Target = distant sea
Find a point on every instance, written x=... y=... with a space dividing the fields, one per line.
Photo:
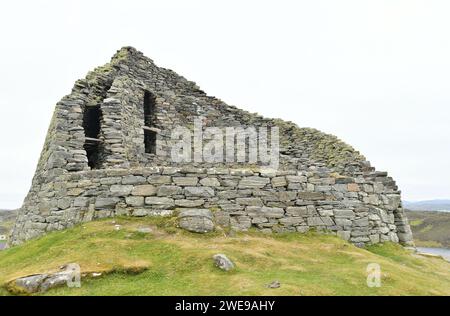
x=432 y=205
x=445 y=253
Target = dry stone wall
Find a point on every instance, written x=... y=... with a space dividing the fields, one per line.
x=362 y=210
x=322 y=182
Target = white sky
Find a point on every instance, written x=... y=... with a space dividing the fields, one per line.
x=375 y=73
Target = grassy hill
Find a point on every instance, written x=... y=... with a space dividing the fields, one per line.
x=430 y=229
x=168 y=261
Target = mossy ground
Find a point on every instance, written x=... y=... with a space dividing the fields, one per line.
x=180 y=263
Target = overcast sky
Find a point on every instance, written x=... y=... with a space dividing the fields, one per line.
x=375 y=73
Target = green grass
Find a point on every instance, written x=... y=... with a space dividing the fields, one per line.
x=416 y=222
x=180 y=263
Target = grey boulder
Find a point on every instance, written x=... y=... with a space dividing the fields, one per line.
x=44 y=282
x=222 y=262
x=196 y=220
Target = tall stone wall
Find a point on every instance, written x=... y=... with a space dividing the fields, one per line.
x=362 y=210
x=322 y=182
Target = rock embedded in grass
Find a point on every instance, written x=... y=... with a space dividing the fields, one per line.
x=274 y=285
x=145 y=230
x=222 y=262
x=30 y=284
x=44 y=282
x=196 y=220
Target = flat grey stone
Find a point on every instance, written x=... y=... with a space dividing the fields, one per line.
x=31 y=284
x=199 y=191
x=144 y=190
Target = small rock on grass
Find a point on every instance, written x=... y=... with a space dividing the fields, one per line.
x=274 y=285
x=222 y=262
x=145 y=230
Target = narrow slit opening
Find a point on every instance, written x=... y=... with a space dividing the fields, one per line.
x=150 y=142
x=149 y=121
x=93 y=145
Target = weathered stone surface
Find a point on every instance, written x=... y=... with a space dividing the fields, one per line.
x=80 y=202
x=374 y=239
x=121 y=190
x=222 y=262
x=279 y=182
x=297 y=211
x=320 y=221
x=249 y=201
x=231 y=207
x=269 y=212
x=296 y=179
x=134 y=180
x=135 y=201
x=241 y=172
x=344 y=213
x=199 y=191
x=144 y=190
x=185 y=181
x=159 y=180
x=286 y=196
x=343 y=222
x=372 y=199
x=353 y=187
x=196 y=220
x=344 y=234
x=313 y=196
x=169 y=190
x=189 y=203
x=30 y=284
x=362 y=222
x=210 y=182
x=274 y=285
x=291 y=221
x=253 y=182
x=160 y=202
x=44 y=282
x=240 y=223
x=392 y=202
x=106 y=202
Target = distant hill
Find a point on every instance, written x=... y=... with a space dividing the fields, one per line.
x=430 y=229
x=7 y=218
x=432 y=205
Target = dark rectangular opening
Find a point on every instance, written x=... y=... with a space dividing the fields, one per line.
x=149 y=121
x=149 y=109
x=91 y=123
x=150 y=142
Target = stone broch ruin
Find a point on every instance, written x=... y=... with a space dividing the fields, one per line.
x=106 y=151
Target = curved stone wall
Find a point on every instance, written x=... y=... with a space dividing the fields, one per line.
x=322 y=183
x=363 y=210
